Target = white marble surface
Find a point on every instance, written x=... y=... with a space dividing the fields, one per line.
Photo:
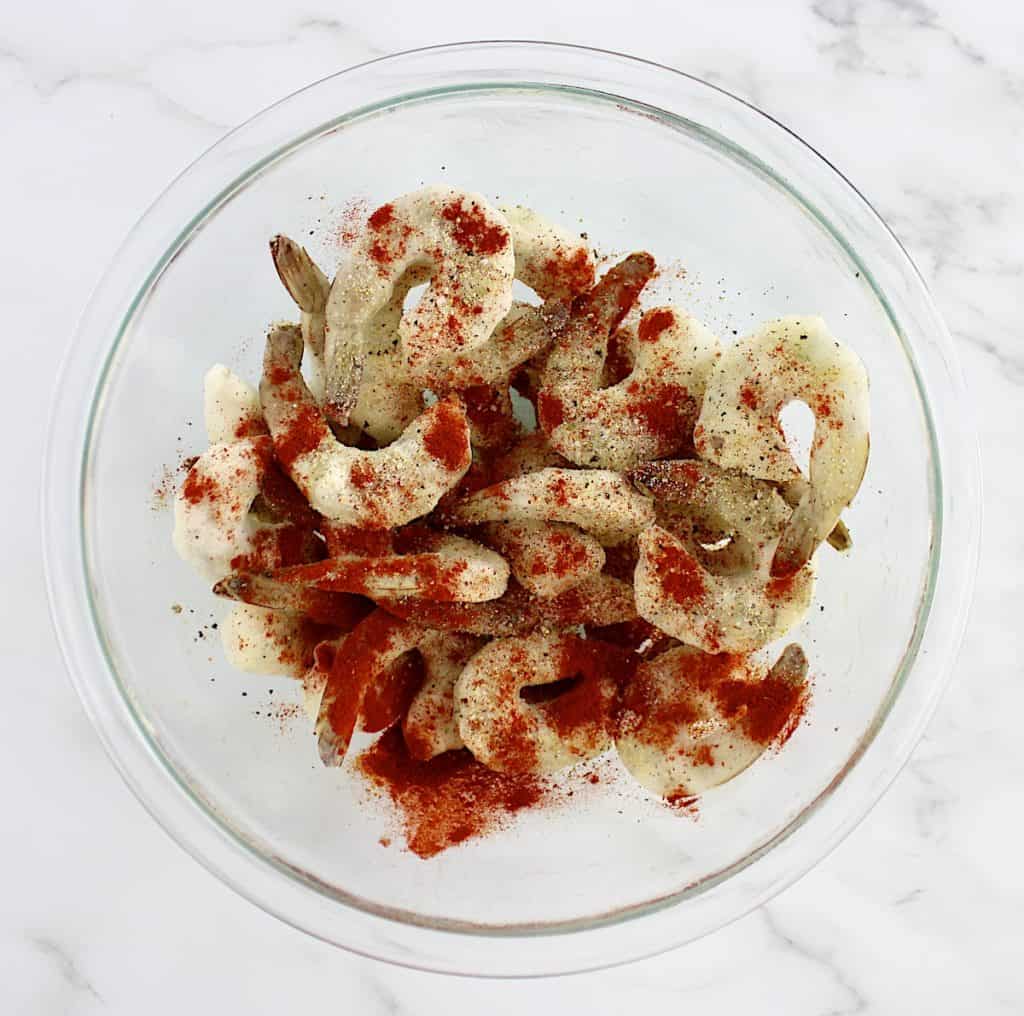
x=922 y=104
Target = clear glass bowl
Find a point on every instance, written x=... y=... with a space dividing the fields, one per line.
x=639 y=156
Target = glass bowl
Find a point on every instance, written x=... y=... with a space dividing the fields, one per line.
x=637 y=156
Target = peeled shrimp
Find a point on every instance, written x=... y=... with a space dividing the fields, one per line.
x=598 y=501
x=375 y=489
x=308 y=287
x=467 y=244
x=231 y=407
x=599 y=600
x=733 y=613
x=554 y=263
x=648 y=414
x=689 y=722
x=214 y=529
x=793 y=358
x=510 y=735
x=546 y=558
x=452 y=568
x=708 y=506
x=430 y=727
x=261 y=641
x=388 y=400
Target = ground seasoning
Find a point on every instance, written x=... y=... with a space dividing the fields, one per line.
x=449 y=799
x=446 y=438
x=472 y=230
x=679 y=574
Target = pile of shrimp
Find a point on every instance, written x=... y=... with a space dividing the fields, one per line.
x=393 y=534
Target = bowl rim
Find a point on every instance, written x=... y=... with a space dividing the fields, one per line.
x=378 y=932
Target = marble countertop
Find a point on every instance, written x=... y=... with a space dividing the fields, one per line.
x=920 y=103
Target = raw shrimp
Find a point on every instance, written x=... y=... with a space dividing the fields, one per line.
x=648 y=414
x=523 y=333
x=467 y=244
x=689 y=721
x=547 y=558
x=430 y=727
x=266 y=591
x=509 y=734
x=388 y=400
x=308 y=287
x=375 y=489
x=372 y=646
x=261 y=641
x=793 y=358
x=550 y=260
x=600 y=600
x=733 y=613
x=707 y=506
x=449 y=568
x=598 y=501
x=231 y=407
x=214 y=528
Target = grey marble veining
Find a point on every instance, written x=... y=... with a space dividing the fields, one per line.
x=920 y=104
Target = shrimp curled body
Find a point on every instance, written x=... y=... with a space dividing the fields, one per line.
x=689 y=722
x=378 y=489
x=508 y=734
x=467 y=245
x=793 y=358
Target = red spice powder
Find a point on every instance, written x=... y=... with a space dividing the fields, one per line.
x=198 y=487
x=570 y=274
x=449 y=799
x=665 y=411
x=250 y=426
x=590 y=702
x=653 y=323
x=559 y=490
x=781 y=587
x=382 y=217
x=767 y=710
x=381 y=253
x=387 y=699
x=303 y=435
x=343 y=540
x=354 y=670
x=471 y=229
x=446 y=438
x=550 y=412
x=703 y=756
x=487 y=412
x=679 y=575
x=569 y=553
x=362 y=475
x=748 y=396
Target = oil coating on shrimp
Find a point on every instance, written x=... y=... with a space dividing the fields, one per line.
x=468 y=247
x=376 y=489
x=793 y=358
